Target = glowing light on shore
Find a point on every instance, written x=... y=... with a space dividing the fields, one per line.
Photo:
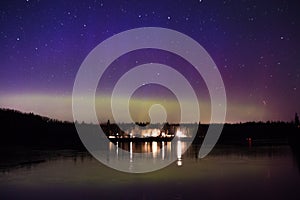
x=145 y=133
x=180 y=134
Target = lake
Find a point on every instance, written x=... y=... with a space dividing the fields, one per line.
x=228 y=172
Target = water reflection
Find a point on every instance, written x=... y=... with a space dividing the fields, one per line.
x=155 y=150
x=163 y=151
x=267 y=170
x=179 y=153
x=117 y=148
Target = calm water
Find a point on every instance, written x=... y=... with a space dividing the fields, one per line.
x=229 y=172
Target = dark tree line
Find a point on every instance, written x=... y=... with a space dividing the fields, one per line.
x=36 y=131
x=32 y=130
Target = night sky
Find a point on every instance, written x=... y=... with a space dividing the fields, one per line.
x=255 y=45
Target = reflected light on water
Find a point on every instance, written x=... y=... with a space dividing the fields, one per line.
x=111 y=146
x=179 y=153
x=154 y=149
x=169 y=146
x=146 y=146
x=163 y=151
x=130 y=150
x=117 y=148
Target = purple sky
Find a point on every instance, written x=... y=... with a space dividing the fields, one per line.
x=255 y=45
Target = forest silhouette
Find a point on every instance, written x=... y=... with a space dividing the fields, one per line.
x=31 y=130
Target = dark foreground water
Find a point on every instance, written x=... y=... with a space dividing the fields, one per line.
x=229 y=172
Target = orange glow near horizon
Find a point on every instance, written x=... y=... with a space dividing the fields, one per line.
x=60 y=107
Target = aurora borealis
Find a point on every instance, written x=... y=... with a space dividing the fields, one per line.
x=255 y=45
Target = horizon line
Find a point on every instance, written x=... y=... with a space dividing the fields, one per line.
x=102 y=123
